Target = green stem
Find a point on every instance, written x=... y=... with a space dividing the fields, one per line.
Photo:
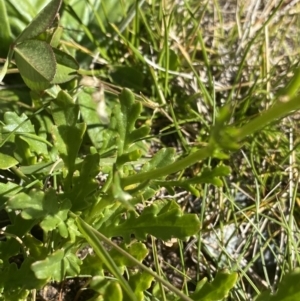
x=92 y=236
x=19 y=173
x=89 y=72
x=279 y=110
x=172 y=168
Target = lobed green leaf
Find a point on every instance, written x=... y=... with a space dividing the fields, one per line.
x=67 y=140
x=163 y=219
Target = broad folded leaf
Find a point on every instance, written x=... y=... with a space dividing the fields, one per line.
x=41 y=22
x=66 y=67
x=36 y=62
